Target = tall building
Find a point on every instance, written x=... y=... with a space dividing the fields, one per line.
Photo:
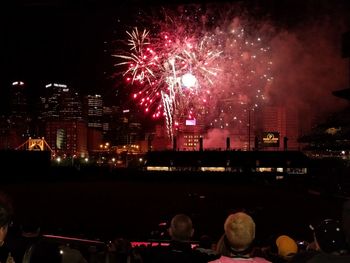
x=5 y=139
x=110 y=120
x=50 y=101
x=188 y=136
x=93 y=110
x=67 y=138
x=121 y=126
x=70 y=106
x=60 y=103
x=20 y=116
x=62 y=120
x=283 y=120
x=93 y=113
x=19 y=101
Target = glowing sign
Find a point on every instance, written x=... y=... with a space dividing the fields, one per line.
x=191 y=122
x=271 y=139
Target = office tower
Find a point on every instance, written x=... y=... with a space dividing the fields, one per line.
x=61 y=114
x=93 y=110
x=20 y=116
x=67 y=138
x=93 y=113
x=60 y=103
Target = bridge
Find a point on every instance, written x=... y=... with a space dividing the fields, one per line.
x=35 y=145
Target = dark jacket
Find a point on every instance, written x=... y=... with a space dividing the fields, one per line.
x=4 y=253
x=177 y=252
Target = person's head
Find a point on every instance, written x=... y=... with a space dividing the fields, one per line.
x=181 y=228
x=329 y=236
x=286 y=246
x=239 y=231
x=5 y=216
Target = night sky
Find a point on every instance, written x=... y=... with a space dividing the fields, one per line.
x=68 y=41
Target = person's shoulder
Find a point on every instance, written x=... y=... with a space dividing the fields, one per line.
x=260 y=260
x=219 y=260
x=207 y=255
x=224 y=259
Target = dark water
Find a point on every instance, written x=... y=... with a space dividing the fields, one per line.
x=95 y=205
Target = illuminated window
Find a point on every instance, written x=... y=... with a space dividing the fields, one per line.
x=264 y=169
x=213 y=169
x=297 y=170
x=157 y=168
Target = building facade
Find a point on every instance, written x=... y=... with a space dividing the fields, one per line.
x=67 y=138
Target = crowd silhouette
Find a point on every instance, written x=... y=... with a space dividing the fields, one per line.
x=330 y=243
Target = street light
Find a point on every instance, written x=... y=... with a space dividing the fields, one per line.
x=249 y=129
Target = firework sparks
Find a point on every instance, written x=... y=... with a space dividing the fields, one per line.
x=182 y=72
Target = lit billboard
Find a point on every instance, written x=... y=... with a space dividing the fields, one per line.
x=271 y=139
x=191 y=122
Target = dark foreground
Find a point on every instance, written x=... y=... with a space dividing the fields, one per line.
x=132 y=205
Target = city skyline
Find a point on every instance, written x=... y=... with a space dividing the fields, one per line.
x=50 y=41
x=67 y=120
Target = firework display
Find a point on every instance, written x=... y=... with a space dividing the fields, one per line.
x=188 y=63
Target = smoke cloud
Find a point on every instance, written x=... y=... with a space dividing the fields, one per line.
x=307 y=67
x=215 y=138
x=305 y=40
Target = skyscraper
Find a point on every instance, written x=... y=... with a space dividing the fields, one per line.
x=93 y=113
x=64 y=127
x=19 y=118
x=60 y=103
x=93 y=110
